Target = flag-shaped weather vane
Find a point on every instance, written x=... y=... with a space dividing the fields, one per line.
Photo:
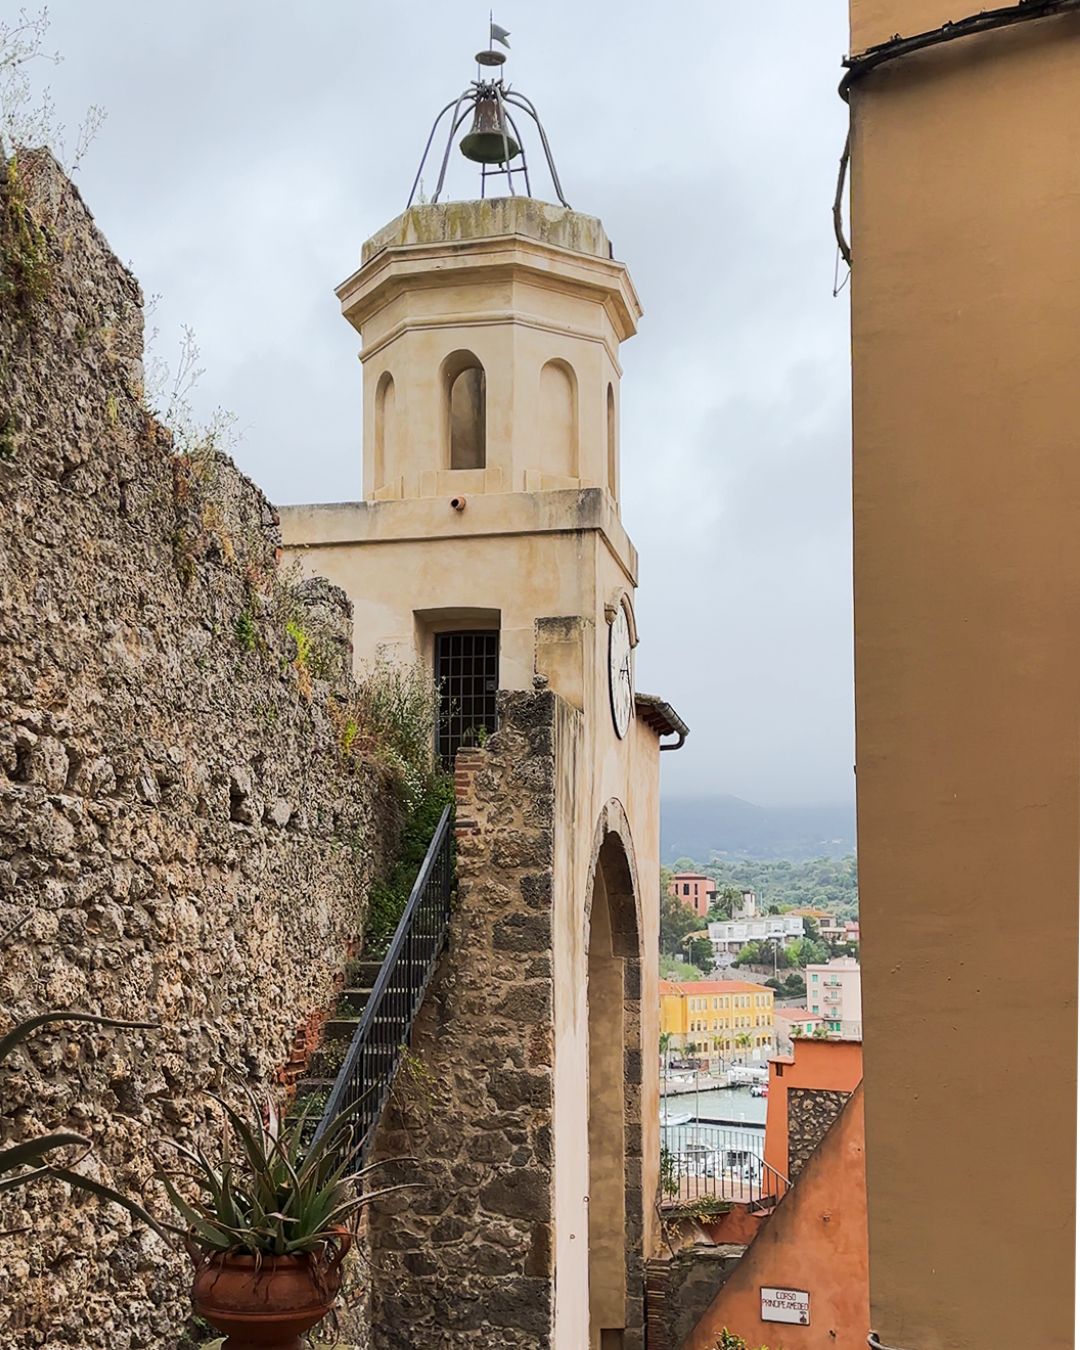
x=499 y=34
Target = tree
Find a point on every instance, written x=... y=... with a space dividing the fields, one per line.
x=677 y=922
x=699 y=952
x=743 y=1043
x=750 y=955
x=724 y=904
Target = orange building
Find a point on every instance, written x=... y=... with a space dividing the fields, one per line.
x=810 y=1253
x=696 y=891
x=807 y=1090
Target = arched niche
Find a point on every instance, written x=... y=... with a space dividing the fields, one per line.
x=385 y=427
x=612 y=444
x=559 y=419
x=465 y=411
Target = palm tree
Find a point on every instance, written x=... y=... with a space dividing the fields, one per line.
x=743 y=1042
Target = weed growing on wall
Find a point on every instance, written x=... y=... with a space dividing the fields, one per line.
x=26 y=268
x=389 y=896
x=392 y=718
x=27 y=121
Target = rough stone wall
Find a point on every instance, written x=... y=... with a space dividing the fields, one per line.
x=811 y=1112
x=181 y=831
x=681 y=1286
x=467 y=1261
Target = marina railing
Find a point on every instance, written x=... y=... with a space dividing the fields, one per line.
x=699 y=1173
x=367 y=1074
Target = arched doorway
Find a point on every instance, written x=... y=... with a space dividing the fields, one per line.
x=615 y=1182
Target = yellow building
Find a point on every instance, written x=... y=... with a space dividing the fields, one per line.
x=731 y=1018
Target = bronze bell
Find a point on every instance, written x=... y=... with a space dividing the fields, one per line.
x=489 y=141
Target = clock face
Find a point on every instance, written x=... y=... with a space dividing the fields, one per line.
x=620 y=674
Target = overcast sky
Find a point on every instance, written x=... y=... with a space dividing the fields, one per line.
x=250 y=148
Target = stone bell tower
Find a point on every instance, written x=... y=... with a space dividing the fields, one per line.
x=489 y=546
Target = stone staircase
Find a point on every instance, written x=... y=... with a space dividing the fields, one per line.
x=313 y=1088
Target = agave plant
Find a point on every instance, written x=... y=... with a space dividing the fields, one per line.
x=30 y=1159
x=268 y=1192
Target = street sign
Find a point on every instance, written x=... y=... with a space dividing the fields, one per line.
x=785 y=1305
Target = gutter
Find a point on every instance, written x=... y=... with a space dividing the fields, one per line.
x=662 y=718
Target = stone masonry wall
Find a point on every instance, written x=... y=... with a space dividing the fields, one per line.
x=467 y=1261
x=183 y=836
x=811 y=1112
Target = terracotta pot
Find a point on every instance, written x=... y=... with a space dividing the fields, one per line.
x=269 y=1304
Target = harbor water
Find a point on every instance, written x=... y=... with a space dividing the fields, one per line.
x=725 y=1118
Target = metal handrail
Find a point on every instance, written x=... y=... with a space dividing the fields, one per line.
x=719 y=1172
x=365 y=1078
x=874 y=1344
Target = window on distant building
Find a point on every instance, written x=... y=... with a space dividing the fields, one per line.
x=686 y=891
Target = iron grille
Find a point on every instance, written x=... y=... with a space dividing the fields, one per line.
x=467 y=675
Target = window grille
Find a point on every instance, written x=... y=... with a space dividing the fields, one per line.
x=467 y=676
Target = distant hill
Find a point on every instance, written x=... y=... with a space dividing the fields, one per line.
x=703 y=828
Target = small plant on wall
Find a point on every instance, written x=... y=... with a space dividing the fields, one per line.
x=729 y=1341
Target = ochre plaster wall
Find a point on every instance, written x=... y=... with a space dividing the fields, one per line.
x=874 y=21
x=966 y=337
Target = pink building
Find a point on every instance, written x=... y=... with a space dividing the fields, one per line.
x=696 y=891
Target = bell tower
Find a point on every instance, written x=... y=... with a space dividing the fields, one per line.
x=491 y=334
x=489 y=546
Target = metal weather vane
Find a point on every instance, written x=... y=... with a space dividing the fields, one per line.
x=493 y=141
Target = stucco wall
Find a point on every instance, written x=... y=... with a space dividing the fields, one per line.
x=179 y=827
x=815 y=1241
x=966 y=299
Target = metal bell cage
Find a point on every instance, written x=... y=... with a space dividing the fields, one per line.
x=494 y=140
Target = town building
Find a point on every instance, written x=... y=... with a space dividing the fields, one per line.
x=696 y=891
x=731 y=935
x=834 y=991
x=831 y=930
x=729 y=1018
x=489 y=548
x=851 y=931
x=791 y=1023
x=965 y=306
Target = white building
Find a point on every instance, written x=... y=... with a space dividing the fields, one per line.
x=835 y=992
x=731 y=935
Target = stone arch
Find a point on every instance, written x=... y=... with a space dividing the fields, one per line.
x=464 y=384
x=559 y=419
x=385 y=427
x=613 y=948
